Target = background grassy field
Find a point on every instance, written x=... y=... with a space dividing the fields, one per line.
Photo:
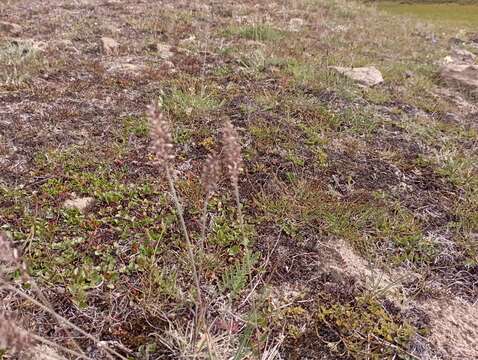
x=444 y=13
x=358 y=238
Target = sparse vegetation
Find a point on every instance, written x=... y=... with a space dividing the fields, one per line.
x=264 y=207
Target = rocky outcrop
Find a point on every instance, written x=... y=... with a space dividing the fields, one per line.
x=80 y=204
x=462 y=56
x=463 y=75
x=366 y=76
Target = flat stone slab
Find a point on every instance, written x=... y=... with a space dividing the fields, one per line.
x=465 y=75
x=80 y=204
x=367 y=76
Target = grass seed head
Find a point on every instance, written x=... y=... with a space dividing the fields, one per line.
x=162 y=142
x=232 y=152
x=211 y=173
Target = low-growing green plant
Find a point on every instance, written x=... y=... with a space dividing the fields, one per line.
x=236 y=277
x=184 y=103
x=258 y=32
x=364 y=321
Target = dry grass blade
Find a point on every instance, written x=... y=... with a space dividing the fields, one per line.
x=13 y=337
x=210 y=178
x=66 y=322
x=163 y=148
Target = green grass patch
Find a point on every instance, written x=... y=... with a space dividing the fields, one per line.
x=368 y=226
x=362 y=327
x=260 y=32
x=185 y=103
x=449 y=13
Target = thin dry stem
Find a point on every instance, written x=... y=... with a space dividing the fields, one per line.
x=10 y=256
x=65 y=321
x=210 y=178
x=163 y=148
x=11 y=336
x=179 y=209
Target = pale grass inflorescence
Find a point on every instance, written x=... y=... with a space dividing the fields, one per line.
x=162 y=143
x=231 y=161
x=210 y=178
x=232 y=152
x=211 y=173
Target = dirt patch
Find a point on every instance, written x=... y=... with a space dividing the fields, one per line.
x=454 y=327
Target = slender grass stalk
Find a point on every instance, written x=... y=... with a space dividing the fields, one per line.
x=240 y=217
x=202 y=239
x=60 y=318
x=59 y=347
x=185 y=232
x=210 y=178
x=163 y=147
x=13 y=256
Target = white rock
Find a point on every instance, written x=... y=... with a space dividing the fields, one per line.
x=30 y=44
x=168 y=66
x=367 y=76
x=254 y=43
x=64 y=45
x=464 y=75
x=108 y=45
x=296 y=24
x=81 y=204
x=447 y=60
x=43 y=352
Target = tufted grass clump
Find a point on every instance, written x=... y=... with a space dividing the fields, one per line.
x=257 y=32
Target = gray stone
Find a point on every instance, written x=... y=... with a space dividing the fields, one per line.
x=108 y=45
x=296 y=24
x=454 y=41
x=64 y=45
x=473 y=38
x=80 y=204
x=125 y=68
x=465 y=75
x=451 y=118
x=164 y=50
x=367 y=76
